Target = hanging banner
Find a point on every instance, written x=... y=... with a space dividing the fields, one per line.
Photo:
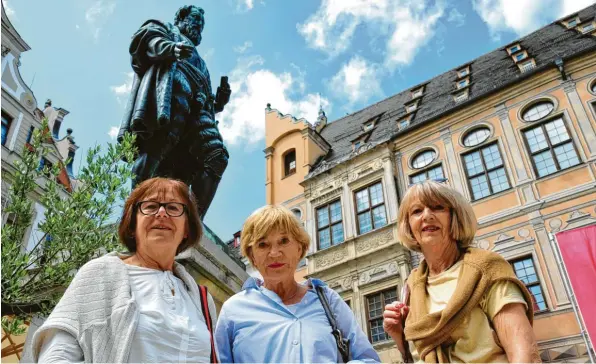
x=578 y=249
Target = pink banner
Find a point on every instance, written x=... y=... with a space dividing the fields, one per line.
x=578 y=248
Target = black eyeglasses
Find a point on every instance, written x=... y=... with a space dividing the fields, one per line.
x=438 y=180
x=173 y=209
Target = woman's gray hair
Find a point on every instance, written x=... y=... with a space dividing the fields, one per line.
x=431 y=193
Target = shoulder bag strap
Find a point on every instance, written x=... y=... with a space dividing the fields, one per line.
x=405 y=294
x=343 y=345
x=208 y=322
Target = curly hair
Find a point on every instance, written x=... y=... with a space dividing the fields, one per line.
x=183 y=12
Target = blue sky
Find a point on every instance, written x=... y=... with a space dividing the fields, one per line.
x=297 y=55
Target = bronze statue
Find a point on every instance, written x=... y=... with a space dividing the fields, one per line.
x=172 y=109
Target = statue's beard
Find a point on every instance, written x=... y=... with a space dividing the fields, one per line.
x=191 y=32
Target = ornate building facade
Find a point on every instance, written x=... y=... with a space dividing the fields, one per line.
x=514 y=131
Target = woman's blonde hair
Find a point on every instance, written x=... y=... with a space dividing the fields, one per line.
x=431 y=193
x=267 y=219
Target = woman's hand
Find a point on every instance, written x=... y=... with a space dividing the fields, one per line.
x=394 y=318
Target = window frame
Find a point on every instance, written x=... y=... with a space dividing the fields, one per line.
x=411 y=107
x=511 y=51
x=367 y=310
x=534 y=103
x=592 y=23
x=474 y=129
x=516 y=55
x=425 y=171
x=461 y=96
x=551 y=147
x=9 y=121
x=463 y=72
x=486 y=171
x=330 y=224
x=418 y=154
x=523 y=65
x=418 y=92
x=288 y=172
x=370 y=206
x=538 y=282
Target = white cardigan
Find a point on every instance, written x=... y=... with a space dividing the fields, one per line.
x=99 y=310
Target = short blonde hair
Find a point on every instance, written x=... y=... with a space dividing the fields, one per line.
x=267 y=219
x=431 y=193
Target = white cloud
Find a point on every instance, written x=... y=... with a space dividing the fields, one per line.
x=408 y=25
x=456 y=17
x=9 y=11
x=253 y=86
x=113 y=133
x=571 y=6
x=246 y=5
x=243 y=48
x=97 y=15
x=357 y=81
x=122 y=91
x=523 y=16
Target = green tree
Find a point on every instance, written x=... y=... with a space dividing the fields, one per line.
x=78 y=225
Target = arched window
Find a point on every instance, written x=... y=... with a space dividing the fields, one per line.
x=424 y=158
x=538 y=110
x=476 y=136
x=289 y=162
x=593 y=87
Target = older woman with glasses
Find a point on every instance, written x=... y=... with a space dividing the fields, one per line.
x=141 y=306
x=461 y=304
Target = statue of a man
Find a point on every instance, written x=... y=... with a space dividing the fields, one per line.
x=172 y=109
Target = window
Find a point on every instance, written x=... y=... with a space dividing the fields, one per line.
x=588 y=27
x=463 y=72
x=46 y=166
x=370 y=208
x=525 y=272
x=357 y=145
x=520 y=56
x=462 y=83
x=485 y=171
x=368 y=126
x=433 y=173
x=424 y=158
x=412 y=107
x=514 y=49
x=375 y=307
x=593 y=87
x=30 y=134
x=538 y=111
x=290 y=163
x=551 y=147
x=404 y=123
x=462 y=96
x=349 y=303
x=6 y=122
x=417 y=93
x=571 y=23
x=330 y=229
x=527 y=66
x=476 y=136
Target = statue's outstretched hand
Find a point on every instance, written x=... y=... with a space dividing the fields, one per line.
x=182 y=50
x=223 y=94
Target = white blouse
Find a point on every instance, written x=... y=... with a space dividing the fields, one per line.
x=171 y=327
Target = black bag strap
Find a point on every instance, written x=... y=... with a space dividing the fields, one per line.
x=343 y=345
x=208 y=322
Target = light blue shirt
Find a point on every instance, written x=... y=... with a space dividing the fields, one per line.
x=254 y=326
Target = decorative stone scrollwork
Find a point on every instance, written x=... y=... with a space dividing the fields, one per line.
x=5 y=50
x=377 y=164
x=331 y=258
x=374 y=241
x=523 y=233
